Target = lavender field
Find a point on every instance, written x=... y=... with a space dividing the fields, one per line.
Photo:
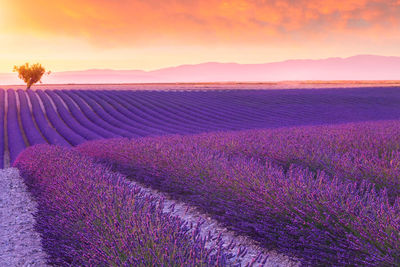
x=71 y=117
x=311 y=175
x=336 y=204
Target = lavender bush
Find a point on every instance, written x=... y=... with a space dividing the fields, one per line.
x=322 y=219
x=91 y=216
x=356 y=151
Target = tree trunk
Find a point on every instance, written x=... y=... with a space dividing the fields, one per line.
x=28 y=85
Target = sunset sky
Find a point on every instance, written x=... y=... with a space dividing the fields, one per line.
x=151 y=34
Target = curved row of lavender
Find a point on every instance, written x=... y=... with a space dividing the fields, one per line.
x=317 y=193
x=90 y=216
x=71 y=117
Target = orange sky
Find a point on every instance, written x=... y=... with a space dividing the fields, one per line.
x=150 y=34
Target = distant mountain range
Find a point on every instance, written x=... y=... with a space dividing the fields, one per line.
x=361 y=67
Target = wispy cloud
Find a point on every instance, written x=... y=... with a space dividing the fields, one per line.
x=127 y=22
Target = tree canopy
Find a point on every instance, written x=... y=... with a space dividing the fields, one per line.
x=30 y=74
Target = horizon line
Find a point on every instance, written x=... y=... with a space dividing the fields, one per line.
x=228 y=82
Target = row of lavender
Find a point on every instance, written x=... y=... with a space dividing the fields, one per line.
x=317 y=193
x=71 y=117
x=90 y=216
x=355 y=152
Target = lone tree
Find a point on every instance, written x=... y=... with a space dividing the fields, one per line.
x=30 y=74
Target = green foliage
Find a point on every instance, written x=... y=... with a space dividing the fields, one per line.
x=30 y=74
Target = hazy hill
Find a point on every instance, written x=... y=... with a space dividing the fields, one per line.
x=362 y=67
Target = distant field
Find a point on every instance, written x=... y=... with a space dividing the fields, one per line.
x=71 y=117
x=215 y=86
